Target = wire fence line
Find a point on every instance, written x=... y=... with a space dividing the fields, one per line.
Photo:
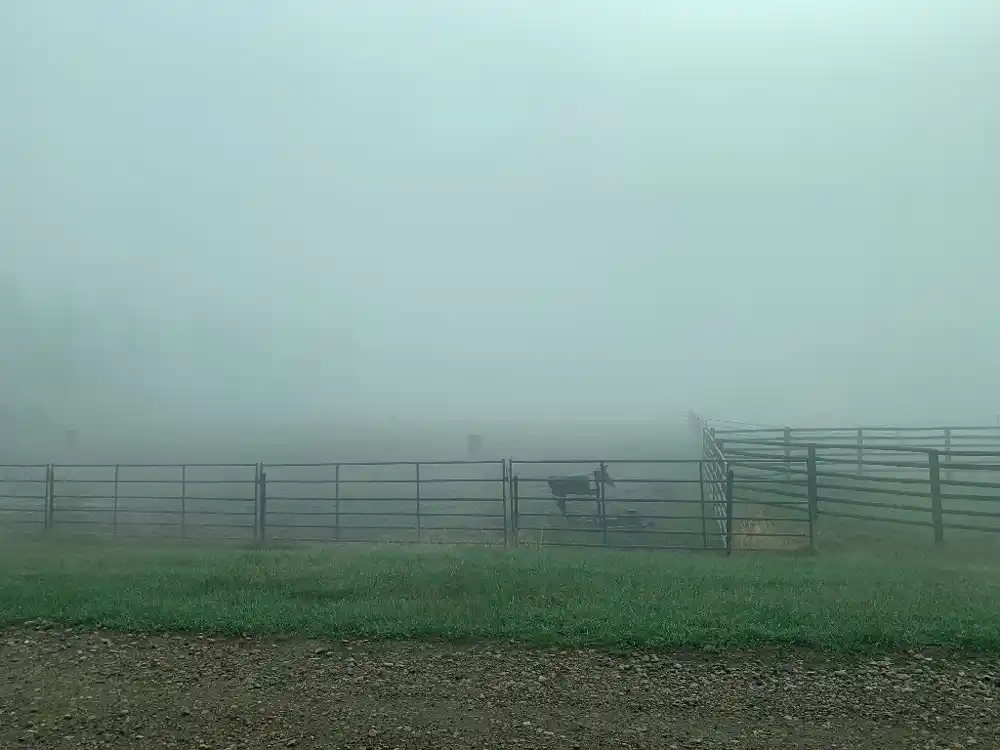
x=625 y=503
x=943 y=479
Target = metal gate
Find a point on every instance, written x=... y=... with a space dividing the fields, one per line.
x=625 y=504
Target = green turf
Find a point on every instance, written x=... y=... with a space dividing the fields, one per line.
x=607 y=599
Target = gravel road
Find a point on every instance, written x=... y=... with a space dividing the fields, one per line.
x=71 y=689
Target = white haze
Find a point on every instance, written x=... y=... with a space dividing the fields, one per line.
x=251 y=215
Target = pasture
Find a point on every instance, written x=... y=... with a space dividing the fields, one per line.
x=116 y=644
x=562 y=597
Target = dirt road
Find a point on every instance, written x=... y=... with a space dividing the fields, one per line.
x=71 y=689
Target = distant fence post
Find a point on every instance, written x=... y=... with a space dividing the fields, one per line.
x=788 y=452
x=701 y=493
x=934 y=461
x=114 y=510
x=601 y=509
x=419 y=531
x=514 y=491
x=50 y=491
x=861 y=451
x=261 y=503
x=503 y=495
x=947 y=449
x=256 y=501
x=813 y=497
x=184 y=502
x=336 y=502
x=730 y=476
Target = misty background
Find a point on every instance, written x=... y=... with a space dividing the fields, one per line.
x=248 y=218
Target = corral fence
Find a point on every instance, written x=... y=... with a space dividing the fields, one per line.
x=943 y=479
x=628 y=504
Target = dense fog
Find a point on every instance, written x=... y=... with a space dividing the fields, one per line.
x=249 y=227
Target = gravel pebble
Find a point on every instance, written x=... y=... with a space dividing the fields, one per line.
x=66 y=688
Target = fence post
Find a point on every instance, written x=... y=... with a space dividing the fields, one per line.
x=503 y=495
x=514 y=501
x=947 y=449
x=701 y=492
x=184 y=502
x=934 y=461
x=114 y=511
x=788 y=452
x=256 y=501
x=813 y=497
x=263 y=504
x=50 y=486
x=729 y=511
x=861 y=451
x=419 y=531
x=601 y=510
x=336 y=501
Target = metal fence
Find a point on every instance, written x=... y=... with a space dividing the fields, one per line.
x=644 y=504
x=418 y=502
x=662 y=504
x=868 y=444
x=945 y=480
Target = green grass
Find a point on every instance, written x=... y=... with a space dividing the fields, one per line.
x=606 y=599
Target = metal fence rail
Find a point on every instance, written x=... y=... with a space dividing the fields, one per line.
x=654 y=504
x=441 y=501
x=644 y=504
x=943 y=479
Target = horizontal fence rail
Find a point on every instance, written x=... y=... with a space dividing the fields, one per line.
x=622 y=503
x=945 y=480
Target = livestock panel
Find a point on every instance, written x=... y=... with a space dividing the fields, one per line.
x=444 y=502
x=661 y=504
x=23 y=495
x=163 y=501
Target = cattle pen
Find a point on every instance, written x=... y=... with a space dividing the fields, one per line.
x=649 y=504
x=863 y=485
x=782 y=489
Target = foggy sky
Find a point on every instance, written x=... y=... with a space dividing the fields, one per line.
x=772 y=211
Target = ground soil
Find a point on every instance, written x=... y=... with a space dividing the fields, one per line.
x=71 y=689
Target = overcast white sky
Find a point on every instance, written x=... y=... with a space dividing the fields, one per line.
x=772 y=211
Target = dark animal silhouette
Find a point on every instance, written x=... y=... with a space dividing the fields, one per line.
x=579 y=485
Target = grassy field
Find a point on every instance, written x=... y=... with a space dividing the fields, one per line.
x=545 y=597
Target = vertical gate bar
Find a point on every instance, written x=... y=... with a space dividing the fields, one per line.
x=729 y=511
x=419 y=530
x=601 y=509
x=52 y=497
x=861 y=451
x=263 y=504
x=934 y=462
x=813 y=497
x=114 y=511
x=184 y=503
x=515 y=521
x=947 y=455
x=788 y=452
x=701 y=492
x=49 y=501
x=336 y=501
x=256 y=501
x=503 y=497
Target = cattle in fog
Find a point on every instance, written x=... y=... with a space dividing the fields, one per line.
x=579 y=485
